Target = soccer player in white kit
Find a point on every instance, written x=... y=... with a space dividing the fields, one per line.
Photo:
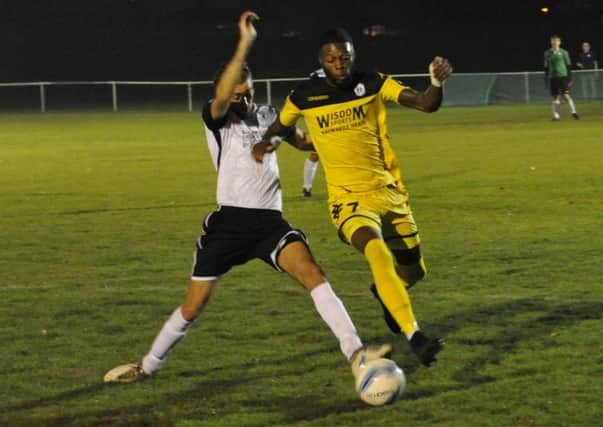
x=248 y=222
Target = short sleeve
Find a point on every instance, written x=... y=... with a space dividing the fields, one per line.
x=390 y=90
x=210 y=122
x=290 y=113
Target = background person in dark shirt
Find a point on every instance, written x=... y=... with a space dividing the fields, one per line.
x=587 y=61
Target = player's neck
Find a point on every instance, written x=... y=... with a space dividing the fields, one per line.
x=340 y=84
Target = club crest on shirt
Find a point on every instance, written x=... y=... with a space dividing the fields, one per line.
x=359 y=90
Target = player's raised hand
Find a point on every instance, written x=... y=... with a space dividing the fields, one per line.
x=439 y=70
x=246 y=29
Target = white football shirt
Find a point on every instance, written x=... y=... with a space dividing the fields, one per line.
x=243 y=182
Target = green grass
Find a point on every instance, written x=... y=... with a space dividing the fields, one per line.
x=98 y=218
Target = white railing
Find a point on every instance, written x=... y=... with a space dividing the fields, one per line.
x=115 y=83
x=473 y=88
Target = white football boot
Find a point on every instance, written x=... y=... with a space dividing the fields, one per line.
x=125 y=374
x=366 y=354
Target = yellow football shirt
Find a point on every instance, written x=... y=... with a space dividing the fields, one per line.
x=348 y=128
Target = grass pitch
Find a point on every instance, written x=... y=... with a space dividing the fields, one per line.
x=100 y=211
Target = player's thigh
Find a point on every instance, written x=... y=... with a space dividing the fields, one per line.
x=282 y=245
x=355 y=211
x=224 y=243
x=297 y=260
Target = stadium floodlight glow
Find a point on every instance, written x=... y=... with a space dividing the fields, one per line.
x=544 y=9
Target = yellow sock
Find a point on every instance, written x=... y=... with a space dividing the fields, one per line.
x=390 y=286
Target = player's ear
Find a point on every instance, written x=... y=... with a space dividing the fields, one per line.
x=320 y=51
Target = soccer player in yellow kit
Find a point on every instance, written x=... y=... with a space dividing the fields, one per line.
x=346 y=118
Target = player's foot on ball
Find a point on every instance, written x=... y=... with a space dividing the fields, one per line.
x=366 y=354
x=425 y=348
x=556 y=119
x=389 y=320
x=125 y=374
x=575 y=116
x=306 y=192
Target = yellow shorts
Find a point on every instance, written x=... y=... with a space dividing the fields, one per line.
x=385 y=209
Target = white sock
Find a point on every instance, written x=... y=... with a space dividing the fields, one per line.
x=332 y=311
x=174 y=329
x=556 y=105
x=572 y=106
x=310 y=169
x=409 y=336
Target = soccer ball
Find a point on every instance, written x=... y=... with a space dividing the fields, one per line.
x=381 y=382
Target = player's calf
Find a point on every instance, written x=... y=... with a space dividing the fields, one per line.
x=389 y=320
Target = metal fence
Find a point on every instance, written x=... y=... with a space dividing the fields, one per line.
x=460 y=89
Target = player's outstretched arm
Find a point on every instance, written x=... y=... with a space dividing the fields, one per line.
x=232 y=73
x=271 y=139
x=430 y=100
x=300 y=140
x=277 y=133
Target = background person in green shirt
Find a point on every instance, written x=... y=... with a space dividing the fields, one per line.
x=558 y=74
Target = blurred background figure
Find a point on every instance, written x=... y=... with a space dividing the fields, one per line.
x=558 y=76
x=587 y=61
x=310 y=168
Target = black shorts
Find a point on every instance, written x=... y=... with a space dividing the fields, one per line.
x=559 y=86
x=232 y=236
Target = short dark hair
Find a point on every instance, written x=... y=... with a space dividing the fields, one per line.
x=555 y=36
x=245 y=72
x=335 y=35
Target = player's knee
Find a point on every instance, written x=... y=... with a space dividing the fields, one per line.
x=410 y=265
x=408 y=256
x=309 y=275
x=411 y=274
x=313 y=274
